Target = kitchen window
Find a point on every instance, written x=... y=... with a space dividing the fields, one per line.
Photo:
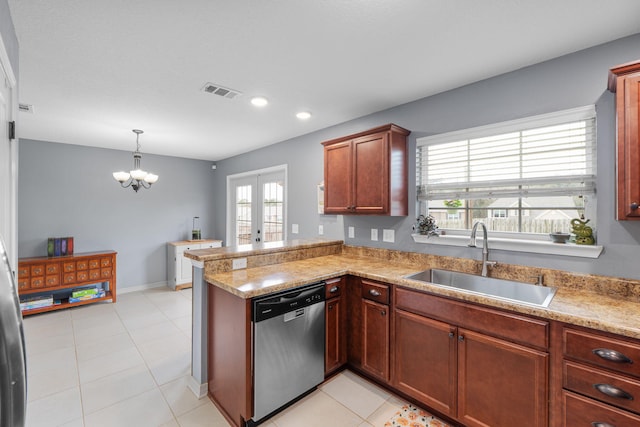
x=524 y=178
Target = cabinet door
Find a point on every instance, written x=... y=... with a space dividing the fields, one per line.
x=500 y=383
x=371 y=174
x=425 y=360
x=183 y=266
x=375 y=339
x=338 y=185
x=335 y=345
x=628 y=106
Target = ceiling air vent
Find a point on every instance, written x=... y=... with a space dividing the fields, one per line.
x=25 y=108
x=222 y=91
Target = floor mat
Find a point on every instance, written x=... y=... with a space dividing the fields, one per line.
x=410 y=416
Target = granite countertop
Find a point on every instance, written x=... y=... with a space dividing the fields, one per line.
x=579 y=307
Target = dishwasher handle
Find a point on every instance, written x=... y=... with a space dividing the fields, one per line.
x=269 y=307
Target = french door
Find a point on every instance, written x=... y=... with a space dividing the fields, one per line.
x=256 y=206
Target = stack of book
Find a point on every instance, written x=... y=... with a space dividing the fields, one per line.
x=30 y=303
x=84 y=294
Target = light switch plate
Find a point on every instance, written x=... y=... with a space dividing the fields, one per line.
x=374 y=234
x=294 y=228
x=239 y=263
x=388 y=235
x=352 y=232
x=321 y=229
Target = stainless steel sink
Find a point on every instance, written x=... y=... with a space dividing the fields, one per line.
x=521 y=292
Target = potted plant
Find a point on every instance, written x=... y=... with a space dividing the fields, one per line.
x=427 y=226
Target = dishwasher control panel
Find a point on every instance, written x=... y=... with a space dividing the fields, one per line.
x=284 y=302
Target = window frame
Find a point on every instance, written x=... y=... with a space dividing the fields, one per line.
x=521 y=239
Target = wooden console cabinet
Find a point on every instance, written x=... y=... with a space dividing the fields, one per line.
x=625 y=81
x=366 y=173
x=58 y=275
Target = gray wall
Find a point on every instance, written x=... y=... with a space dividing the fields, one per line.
x=68 y=190
x=571 y=81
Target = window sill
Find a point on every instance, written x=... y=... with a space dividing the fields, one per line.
x=516 y=245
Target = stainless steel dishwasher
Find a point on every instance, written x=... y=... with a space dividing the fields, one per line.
x=288 y=351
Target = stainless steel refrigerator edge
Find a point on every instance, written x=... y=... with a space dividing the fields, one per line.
x=13 y=386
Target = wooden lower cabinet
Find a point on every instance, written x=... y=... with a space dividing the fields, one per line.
x=335 y=326
x=580 y=411
x=425 y=361
x=463 y=365
x=500 y=383
x=600 y=378
x=375 y=339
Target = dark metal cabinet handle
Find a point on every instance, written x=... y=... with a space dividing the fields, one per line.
x=334 y=289
x=613 y=391
x=461 y=338
x=374 y=293
x=330 y=306
x=600 y=424
x=383 y=312
x=611 y=355
x=634 y=206
x=451 y=334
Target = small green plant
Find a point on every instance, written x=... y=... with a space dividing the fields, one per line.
x=427 y=226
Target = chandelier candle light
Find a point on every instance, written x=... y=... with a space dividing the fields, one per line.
x=136 y=178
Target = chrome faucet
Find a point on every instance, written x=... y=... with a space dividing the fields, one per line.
x=485 y=247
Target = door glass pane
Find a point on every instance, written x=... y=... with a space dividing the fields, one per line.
x=243 y=214
x=272 y=210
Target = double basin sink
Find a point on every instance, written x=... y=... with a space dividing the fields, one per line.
x=520 y=292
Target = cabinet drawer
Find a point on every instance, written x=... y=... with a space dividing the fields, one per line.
x=607 y=387
x=105 y=262
x=23 y=284
x=37 y=282
x=52 y=281
x=94 y=274
x=68 y=278
x=82 y=265
x=82 y=276
x=94 y=263
x=581 y=411
x=68 y=267
x=105 y=273
x=600 y=350
x=52 y=268
x=509 y=326
x=375 y=291
x=23 y=271
x=333 y=288
x=37 y=270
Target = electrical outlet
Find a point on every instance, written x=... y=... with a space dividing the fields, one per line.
x=352 y=232
x=239 y=263
x=321 y=229
x=374 y=234
x=294 y=228
x=388 y=235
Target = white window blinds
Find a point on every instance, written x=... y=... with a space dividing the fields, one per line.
x=549 y=155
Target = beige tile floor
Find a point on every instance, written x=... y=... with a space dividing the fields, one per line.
x=127 y=364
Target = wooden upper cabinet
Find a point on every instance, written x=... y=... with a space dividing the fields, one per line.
x=366 y=173
x=625 y=81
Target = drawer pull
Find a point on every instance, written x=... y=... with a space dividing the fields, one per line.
x=613 y=391
x=334 y=289
x=611 y=355
x=374 y=293
x=599 y=424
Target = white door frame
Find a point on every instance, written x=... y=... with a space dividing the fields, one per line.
x=8 y=79
x=230 y=202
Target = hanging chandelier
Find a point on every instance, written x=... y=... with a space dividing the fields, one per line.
x=136 y=178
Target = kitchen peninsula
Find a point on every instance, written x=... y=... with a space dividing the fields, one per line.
x=586 y=307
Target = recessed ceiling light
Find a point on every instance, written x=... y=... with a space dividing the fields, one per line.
x=259 y=101
x=303 y=115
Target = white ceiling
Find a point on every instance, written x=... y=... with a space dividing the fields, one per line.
x=95 y=69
